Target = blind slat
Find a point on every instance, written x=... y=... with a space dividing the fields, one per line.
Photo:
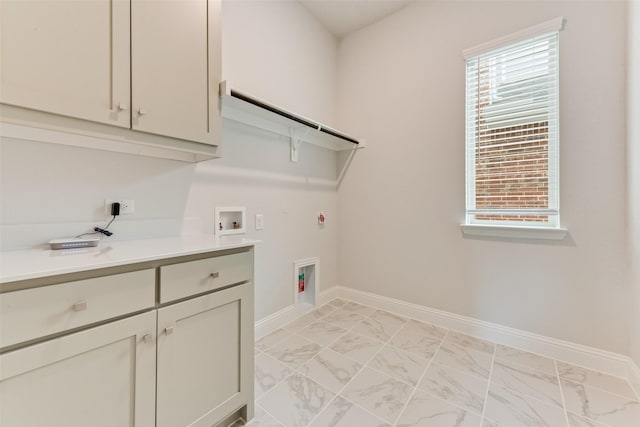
x=512 y=132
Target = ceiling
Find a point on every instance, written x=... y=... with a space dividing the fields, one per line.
x=341 y=17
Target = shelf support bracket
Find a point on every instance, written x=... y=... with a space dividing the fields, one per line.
x=297 y=138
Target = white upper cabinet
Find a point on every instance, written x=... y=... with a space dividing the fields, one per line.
x=67 y=57
x=150 y=67
x=175 y=71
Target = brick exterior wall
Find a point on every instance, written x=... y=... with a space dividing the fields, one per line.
x=515 y=173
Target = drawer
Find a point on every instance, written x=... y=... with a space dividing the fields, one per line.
x=33 y=313
x=194 y=277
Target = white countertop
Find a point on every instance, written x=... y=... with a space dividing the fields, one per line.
x=36 y=263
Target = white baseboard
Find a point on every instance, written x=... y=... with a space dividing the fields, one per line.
x=268 y=324
x=577 y=354
x=634 y=376
x=600 y=360
x=326 y=296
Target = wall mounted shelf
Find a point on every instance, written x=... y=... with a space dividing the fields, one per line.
x=244 y=108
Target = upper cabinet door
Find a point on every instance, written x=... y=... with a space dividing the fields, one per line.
x=175 y=54
x=67 y=57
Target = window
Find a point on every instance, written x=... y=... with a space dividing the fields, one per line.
x=512 y=130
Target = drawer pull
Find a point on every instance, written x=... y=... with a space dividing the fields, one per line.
x=79 y=306
x=168 y=330
x=215 y=275
x=148 y=338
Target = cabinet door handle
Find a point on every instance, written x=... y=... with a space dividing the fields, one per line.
x=142 y=112
x=168 y=330
x=79 y=306
x=148 y=338
x=121 y=107
x=215 y=275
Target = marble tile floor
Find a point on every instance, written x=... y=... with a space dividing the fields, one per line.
x=350 y=365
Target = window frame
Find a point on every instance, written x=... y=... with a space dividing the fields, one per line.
x=503 y=228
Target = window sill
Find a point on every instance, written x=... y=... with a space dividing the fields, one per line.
x=514 y=232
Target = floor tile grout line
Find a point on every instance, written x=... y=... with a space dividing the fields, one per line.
x=375 y=308
x=555 y=362
x=359 y=322
x=330 y=343
x=430 y=363
x=516 y=365
x=449 y=403
x=297 y=333
x=404 y=408
x=270 y=414
x=594 y=370
x=277 y=342
x=433 y=362
x=530 y=395
x=384 y=343
x=523 y=351
x=338 y=393
x=602 y=390
x=364 y=409
x=296 y=371
x=293 y=371
x=463 y=372
x=636 y=392
x=365 y=365
x=564 y=403
x=599 y=423
x=486 y=394
x=625 y=379
x=325 y=346
x=526 y=396
x=340 y=336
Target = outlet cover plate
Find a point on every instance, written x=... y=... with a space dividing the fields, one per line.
x=127 y=206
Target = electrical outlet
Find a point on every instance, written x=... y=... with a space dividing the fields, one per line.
x=259 y=221
x=126 y=206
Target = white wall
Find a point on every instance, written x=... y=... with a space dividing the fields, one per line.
x=51 y=191
x=633 y=168
x=276 y=50
x=401 y=85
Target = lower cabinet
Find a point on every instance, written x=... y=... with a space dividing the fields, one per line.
x=205 y=370
x=183 y=361
x=103 y=376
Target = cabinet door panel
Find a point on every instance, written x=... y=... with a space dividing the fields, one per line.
x=67 y=57
x=104 y=376
x=201 y=358
x=172 y=60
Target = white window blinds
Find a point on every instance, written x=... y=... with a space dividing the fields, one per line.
x=512 y=133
